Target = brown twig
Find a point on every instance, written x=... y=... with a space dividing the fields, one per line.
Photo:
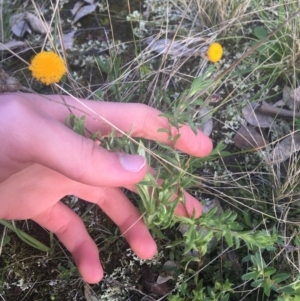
x=268 y=109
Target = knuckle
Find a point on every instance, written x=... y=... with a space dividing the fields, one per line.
x=14 y=111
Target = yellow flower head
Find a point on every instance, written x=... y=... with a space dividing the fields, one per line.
x=47 y=67
x=214 y=52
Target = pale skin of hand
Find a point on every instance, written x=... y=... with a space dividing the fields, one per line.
x=42 y=160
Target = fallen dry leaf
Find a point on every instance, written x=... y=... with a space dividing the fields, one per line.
x=291 y=98
x=20 y=28
x=26 y=23
x=89 y=1
x=148 y=298
x=13 y=44
x=286 y=147
x=88 y=293
x=279 y=103
x=35 y=23
x=168 y=272
x=206 y=124
x=248 y=138
x=84 y=11
x=76 y=7
x=211 y=204
x=171 y=47
x=8 y=83
x=68 y=39
x=255 y=118
x=150 y=284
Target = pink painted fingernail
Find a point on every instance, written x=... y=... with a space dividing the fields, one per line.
x=133 y=163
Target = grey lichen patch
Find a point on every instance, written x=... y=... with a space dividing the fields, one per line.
x=165 y=16
x=113 y=290
x=231 y=120
x=281 y=128
x=155 y=260
x=20 y=275
x=140 y=30
x=83 y=54
x=123 y=279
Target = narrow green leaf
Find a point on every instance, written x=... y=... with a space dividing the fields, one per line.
x=287 y=290
x=228 y=238
x=192 y=125
x=225 y=298
x=267 y=286
x=268 y=271
x=247 y=219
x=280 y=277
x=260 y=32
x=257 y=283
x=78 y=126
x=297 y=240
x=157 y=232
x=5 y=240
x=202 y=82
x=251 y=275
x=28 y=239
x=104 y=66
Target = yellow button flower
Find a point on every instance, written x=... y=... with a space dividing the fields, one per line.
x=214 y=52
x=47 y=67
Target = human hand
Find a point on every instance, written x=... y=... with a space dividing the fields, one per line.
x=42 y=160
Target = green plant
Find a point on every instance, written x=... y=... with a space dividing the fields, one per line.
x=116 y=87
x=5 y=13
x=184 y=108
x=28 y=239
x=219 y=292
x=280 y=53
x=267 y=278
x=249 y=251
x=65 y=273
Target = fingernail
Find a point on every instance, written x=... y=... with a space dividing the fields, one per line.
x=133 y=163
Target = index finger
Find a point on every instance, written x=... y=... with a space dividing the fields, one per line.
x=138 y=120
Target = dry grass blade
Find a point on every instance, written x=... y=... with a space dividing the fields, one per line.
x=254 y=48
